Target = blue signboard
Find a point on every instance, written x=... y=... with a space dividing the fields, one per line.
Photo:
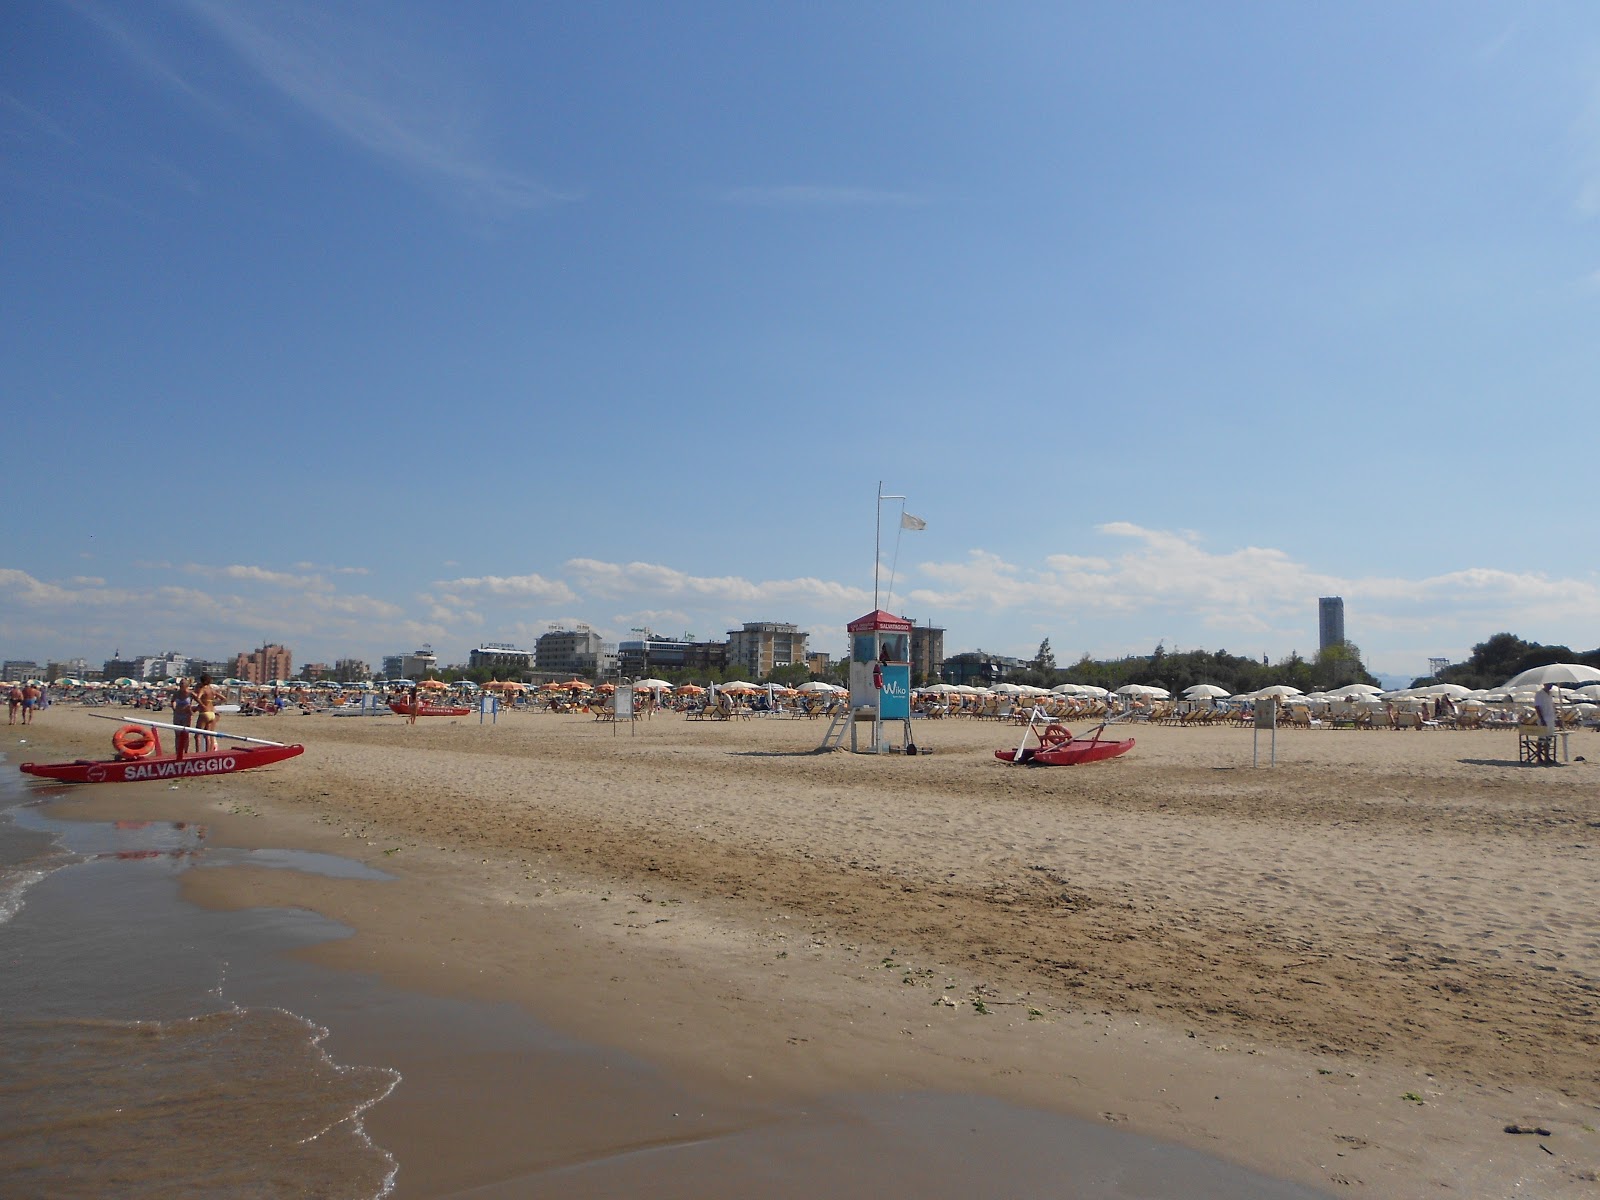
x=894 y=702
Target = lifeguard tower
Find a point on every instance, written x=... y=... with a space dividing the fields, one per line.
x=880 y=683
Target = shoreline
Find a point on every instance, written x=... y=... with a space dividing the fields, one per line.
x=777 y=924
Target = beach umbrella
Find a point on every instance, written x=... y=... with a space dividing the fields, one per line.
x=652 y=685
x=1553 y=673
x=1590 y=691
x=1204 y=691
x=1277 y=689
x=690 y=689
x=433 y=685
x=816 y=685
x=576 y=685
x=607 y=688
x=737 y=685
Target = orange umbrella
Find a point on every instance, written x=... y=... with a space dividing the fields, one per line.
x=576 y=685
x=433 y=684
x=689 y=689
x=608 y=688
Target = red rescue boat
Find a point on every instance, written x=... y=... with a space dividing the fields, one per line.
x=1059 y=748
x=431 y=710
x=139 y=757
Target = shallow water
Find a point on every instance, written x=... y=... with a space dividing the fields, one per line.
x=129 y=1068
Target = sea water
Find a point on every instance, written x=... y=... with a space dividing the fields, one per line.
x=127 y=1065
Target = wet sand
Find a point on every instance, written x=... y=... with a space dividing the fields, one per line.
x=1351 y=970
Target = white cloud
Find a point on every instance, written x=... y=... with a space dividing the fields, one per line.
x=1168 y=579
x=667 y=583
x=520 y=587
x=243 y=573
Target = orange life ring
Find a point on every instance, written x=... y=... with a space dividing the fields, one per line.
x=135 y=741
x=1054 y=735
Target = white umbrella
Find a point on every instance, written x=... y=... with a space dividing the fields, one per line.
x=1355 y=689
x=1590 y=691
x=651 y=685
x=816 y=685
x=1554 y=673
x=1204 y=691
x=1277 y=689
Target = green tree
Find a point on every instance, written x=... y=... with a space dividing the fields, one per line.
x=1045 y=660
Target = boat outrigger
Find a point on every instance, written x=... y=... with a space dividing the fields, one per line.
x=139 y=756
x=1058 y=747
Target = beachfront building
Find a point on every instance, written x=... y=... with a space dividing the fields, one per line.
x=761 y=646
x=1330 y=622
x=351 y=670
x=72 y=668
x=577 y=651
x=18 y=669
x=416 y=665
x=818 y=663
x=978 y=668
x=645 y=656
x=705 y=659
x=502 y=658
x=270 y=662
x=927 y=653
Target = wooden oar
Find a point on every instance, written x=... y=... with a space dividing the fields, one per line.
x=192 y=730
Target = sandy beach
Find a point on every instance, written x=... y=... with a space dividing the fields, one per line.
x=1351 y=970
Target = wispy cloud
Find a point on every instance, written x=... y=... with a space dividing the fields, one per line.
x=821 y=197
x=242 y=573
x=363 y=84
x=518 y=587
x=667 y=583
x=145 y=54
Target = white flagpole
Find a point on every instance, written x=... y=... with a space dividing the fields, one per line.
x=877 y=540
x=877 y=544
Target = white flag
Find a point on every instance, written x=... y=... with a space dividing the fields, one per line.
x=907 y=521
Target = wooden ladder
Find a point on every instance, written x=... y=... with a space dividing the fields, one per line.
x=833 y=739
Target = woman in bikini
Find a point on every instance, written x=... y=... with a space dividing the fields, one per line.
x=205 y=715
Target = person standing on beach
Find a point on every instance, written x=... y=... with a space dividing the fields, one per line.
x=1544 y=703
x=183 y=706
x=205 y=714
x=416 y=705
x=30 y=699
x=13 y=703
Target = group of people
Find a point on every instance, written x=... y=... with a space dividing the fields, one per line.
x=196 y=708
x=21 y=701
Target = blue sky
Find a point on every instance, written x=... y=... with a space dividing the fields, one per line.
x=361 y=326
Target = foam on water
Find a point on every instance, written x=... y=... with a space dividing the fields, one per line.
x=128 y=1069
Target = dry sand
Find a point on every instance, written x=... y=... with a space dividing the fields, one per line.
x=1352 y=970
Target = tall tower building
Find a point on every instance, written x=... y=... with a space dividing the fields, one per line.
x=1330 y=621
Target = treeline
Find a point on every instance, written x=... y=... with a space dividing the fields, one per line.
x=1336 y=667
x=1505 y=654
